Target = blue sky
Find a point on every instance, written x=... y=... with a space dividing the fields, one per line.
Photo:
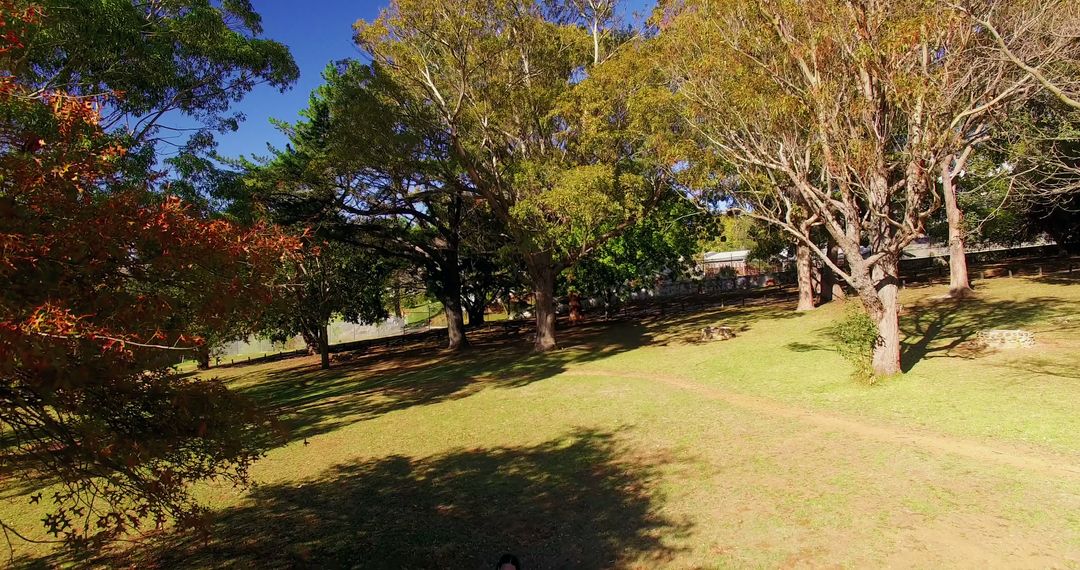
x=317 y=32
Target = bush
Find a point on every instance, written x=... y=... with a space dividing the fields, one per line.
x=855 y=335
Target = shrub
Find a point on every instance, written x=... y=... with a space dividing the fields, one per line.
x=855 y=335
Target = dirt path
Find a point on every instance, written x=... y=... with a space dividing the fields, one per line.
x=1002 y=454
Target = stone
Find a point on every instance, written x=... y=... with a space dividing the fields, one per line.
x=1001 y=338
x=717 y=333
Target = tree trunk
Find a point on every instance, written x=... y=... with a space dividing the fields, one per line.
x=805 y=271
x=476 y=313
x=883 y=303
x=542 y=272
x=324 y=346
x=575 y=307
x=455 y=324
x=202 y=357
x=830 y=288
x=451 y=300
x=959 y=284
x=399 y=311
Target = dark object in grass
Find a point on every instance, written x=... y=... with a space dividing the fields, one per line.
x=508 y=562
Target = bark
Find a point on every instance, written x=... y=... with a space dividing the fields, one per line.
x=959 y=284
x=805 y=271
x=542 y=271
x=399 y=311
x=451 y=300
x=455 y=324
x=476 y=313
x=882 y=301
x=575 y=307
x=324 y=346
x=830 y=287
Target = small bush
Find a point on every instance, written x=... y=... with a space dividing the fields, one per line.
x=855 y=335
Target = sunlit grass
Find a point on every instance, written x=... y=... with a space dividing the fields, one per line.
x=638 y=446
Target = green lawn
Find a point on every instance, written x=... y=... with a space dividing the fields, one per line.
x=636 y=446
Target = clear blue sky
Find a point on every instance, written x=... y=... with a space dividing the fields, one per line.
x=317 y=32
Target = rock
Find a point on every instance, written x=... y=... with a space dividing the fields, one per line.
x=1006 y=339
x=717 y=333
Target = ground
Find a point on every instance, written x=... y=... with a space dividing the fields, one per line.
x=637 y=446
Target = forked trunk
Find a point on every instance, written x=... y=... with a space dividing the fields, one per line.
x=806 y=277
x=959 y=283
x=542 y=272
x=883 y=304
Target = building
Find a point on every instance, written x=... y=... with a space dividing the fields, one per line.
x=714 y=263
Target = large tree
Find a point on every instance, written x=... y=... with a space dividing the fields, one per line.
x=84 y=324
x=846 y=112
x=326 y=280
x=365 y=166
x=103 y=280
x=536 y=106
x=661 y=247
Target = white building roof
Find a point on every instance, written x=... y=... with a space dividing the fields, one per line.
x=720 y=256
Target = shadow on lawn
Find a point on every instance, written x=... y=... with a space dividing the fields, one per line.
x=685 y=327
x=1058 y=278
x=575 y=502
x=310 y=401
x=935 y=327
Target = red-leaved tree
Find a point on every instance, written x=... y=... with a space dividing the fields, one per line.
x=103 y=284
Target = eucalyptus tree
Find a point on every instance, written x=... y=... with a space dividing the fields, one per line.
x=846 y=111
x=550 y=120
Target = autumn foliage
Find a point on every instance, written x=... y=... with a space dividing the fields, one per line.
x=105 y=284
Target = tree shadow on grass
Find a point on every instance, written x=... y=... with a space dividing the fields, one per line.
x=309 y=401
x=934 y=328
x=579 y=501
x=685 y=327
x=1060 y=278
x=941 y=327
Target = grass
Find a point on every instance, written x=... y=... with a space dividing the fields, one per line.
x=636 y=446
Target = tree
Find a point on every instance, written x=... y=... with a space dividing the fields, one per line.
x=1039 y=38
x=553 y=138
x=1033 y=164
x=847 y=112
x=328 y=279
x=489 y=267
x=89 y=326
x=365 y=167
x=191 y=58
x=661 y=246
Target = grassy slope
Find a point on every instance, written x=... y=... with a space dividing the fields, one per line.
x=631 y=448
